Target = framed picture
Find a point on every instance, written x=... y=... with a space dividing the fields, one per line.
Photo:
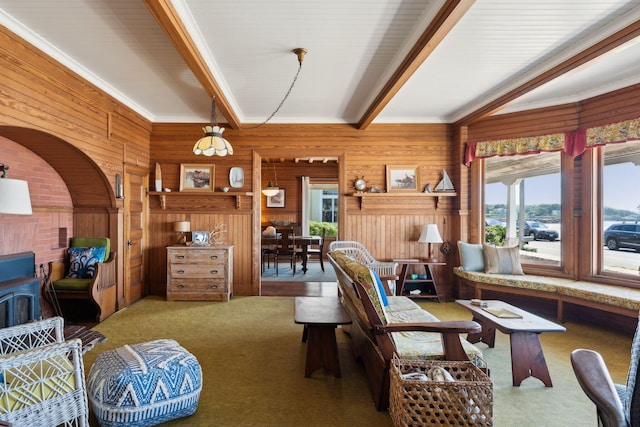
x=402 y=178
x=196 y=177
x=199 y=238
x=276 y=201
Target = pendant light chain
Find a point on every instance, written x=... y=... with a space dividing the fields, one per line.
x=300 y=52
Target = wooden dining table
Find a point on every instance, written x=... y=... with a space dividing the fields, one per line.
x=303 y=242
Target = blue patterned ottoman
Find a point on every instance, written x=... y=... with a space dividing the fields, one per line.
x=144 y=384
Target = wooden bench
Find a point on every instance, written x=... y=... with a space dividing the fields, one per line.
x=614 y=299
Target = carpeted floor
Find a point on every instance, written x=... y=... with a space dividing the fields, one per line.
x=253 y=362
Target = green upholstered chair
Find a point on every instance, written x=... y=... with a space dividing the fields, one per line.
x=100 y=289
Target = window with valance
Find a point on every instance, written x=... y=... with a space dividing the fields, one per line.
x=571 y=142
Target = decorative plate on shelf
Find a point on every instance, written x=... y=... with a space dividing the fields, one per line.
x=236 y=177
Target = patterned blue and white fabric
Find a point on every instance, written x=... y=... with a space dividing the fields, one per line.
x=144 y=384
x=82 y=261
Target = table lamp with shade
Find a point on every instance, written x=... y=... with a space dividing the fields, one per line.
x=430 y=235
x=182 y=227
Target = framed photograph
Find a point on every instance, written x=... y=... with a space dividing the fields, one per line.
x=199 y=238
x=276 y=201
x=196 y=177
x=402 y=178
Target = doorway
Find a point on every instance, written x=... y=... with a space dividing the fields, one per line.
x=311 y=200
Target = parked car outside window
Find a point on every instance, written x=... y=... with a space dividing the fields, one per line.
x=623 y=235
x=539 y=231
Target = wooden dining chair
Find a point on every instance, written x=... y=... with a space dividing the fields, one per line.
x=319 y=251
x=286 y=249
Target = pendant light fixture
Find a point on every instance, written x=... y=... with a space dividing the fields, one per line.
x=212 y=143
x=272 y=190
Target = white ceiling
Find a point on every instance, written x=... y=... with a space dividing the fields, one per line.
x=356 y=47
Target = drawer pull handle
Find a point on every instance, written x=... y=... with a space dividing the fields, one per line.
x=180 y=257
x=214 y=256
x=214 y=271
x=214 y=286
x=180 y=271
x=181 y=286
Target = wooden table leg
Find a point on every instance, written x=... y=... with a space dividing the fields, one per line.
x=487 y=335
x=527 y=358
x=322 y=350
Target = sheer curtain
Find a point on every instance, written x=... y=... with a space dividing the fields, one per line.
x=305 y=205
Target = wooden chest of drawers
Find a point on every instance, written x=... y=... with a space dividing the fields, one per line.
x=199 y=273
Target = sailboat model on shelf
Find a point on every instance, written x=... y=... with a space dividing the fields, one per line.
x=445 y=185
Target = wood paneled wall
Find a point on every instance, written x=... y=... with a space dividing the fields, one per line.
x=390 y=228
x=82 y=133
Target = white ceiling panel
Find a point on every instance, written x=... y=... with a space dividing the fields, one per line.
x=355 y=48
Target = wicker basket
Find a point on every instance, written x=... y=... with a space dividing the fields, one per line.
x=467 y=401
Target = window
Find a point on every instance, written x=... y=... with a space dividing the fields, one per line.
x=621 y=208
x=330 y=206
x=523 y=196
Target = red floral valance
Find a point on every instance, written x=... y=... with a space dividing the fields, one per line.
x=573 y=142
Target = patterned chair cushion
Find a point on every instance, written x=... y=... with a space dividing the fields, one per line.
x=144 y=384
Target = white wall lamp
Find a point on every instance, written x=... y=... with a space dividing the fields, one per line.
x=272 y=190
x=430 y=235
x=14 y=194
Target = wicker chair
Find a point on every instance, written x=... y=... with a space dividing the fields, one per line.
x=44 y=382
x=359 y=252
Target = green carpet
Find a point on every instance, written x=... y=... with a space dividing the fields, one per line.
x=253 y=362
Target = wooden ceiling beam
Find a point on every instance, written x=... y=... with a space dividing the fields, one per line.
x=168 y=19
x=444 y=21
x=619 y=38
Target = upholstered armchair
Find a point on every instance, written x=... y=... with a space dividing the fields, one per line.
x=75 y=279
x=43 y=382
x=617 y=405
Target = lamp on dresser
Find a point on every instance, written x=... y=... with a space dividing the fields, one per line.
x=430 y=235
x=182 y=227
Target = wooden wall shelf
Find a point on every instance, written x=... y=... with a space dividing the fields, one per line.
x=163 y=196
x=363 y=196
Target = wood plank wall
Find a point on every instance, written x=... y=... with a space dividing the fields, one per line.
x=85 y=135
x=389 y=228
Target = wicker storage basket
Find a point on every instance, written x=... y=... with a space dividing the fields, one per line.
x=467 y=401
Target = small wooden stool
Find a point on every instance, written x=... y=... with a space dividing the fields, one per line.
x=320 y=317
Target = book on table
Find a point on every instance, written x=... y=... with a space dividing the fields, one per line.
x=502 y=313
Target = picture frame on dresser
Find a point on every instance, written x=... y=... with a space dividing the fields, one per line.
x=200 y=238
x=402 y=178
x=197 y=177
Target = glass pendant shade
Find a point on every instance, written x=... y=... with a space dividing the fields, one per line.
x=271 y=190
x=212 y=143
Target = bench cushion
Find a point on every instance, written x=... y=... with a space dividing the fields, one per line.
x=618 y=296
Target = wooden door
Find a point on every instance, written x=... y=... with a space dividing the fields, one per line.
x=135 y=189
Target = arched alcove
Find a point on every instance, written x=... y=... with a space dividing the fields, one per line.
x=86 y=182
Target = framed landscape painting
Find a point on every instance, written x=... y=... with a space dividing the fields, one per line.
x=196 y=177
x=276 y=201
x=402 y=178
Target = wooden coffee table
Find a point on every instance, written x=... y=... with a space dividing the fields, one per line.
x=527 y=358
x=320 y=317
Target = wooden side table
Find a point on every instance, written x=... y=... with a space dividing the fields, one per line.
x=320 y=317
x=426 y=284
